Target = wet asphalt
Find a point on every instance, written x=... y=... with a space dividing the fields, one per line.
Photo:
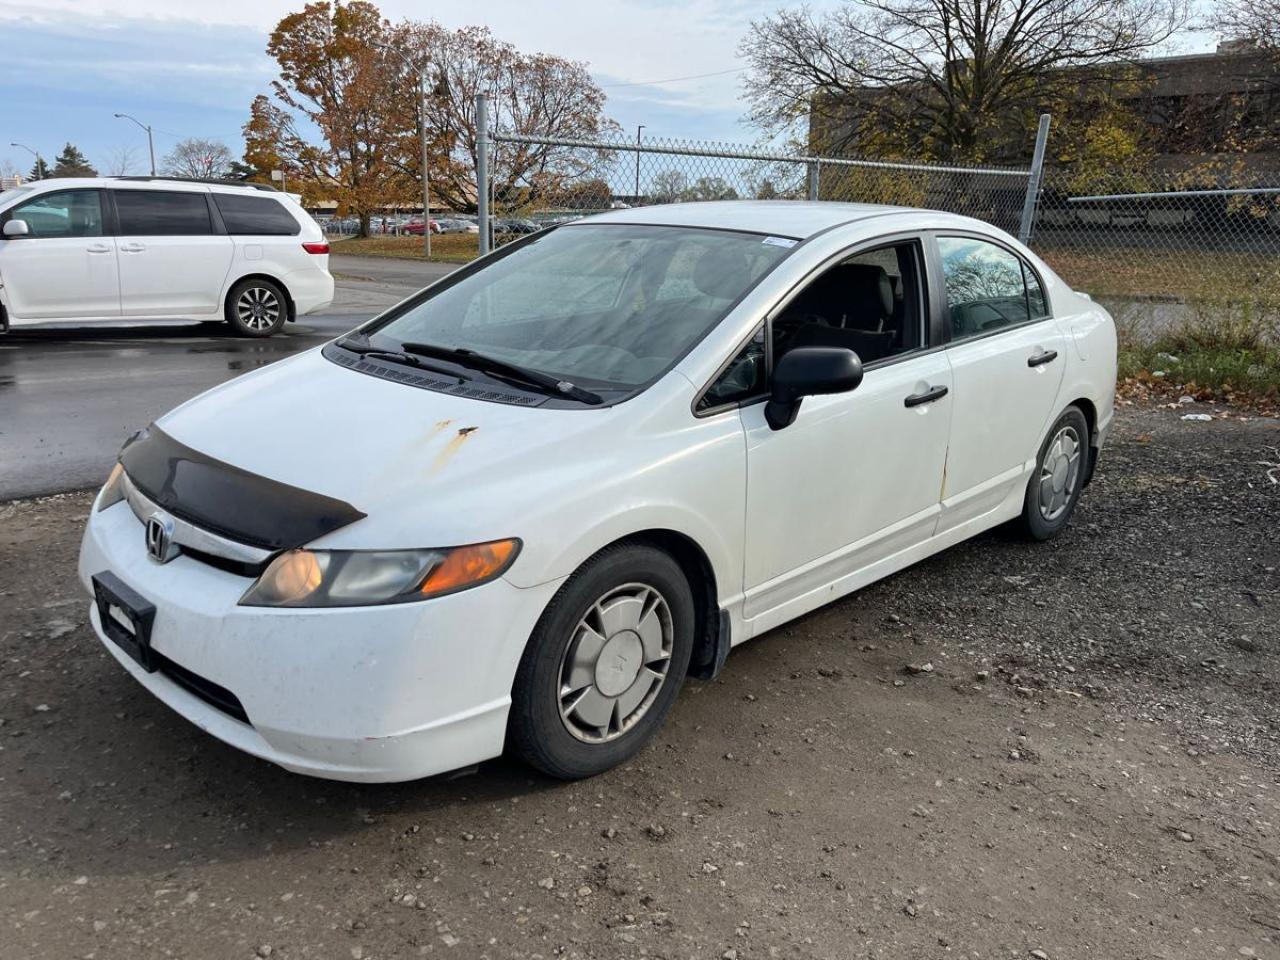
x=69 y=397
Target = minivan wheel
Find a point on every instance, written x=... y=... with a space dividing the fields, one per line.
x=1058 y=478
x=604 y=664
x=256 y=308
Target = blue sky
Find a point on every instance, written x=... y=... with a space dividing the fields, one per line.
x=192 y=68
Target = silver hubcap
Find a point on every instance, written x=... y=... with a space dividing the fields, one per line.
x=1059 y=473
x=616 y=663
x=258 y=308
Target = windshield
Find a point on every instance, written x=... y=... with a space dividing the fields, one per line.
x=603 y=305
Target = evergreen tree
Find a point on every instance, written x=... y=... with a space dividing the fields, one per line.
x=39 y=170
x=72 y=163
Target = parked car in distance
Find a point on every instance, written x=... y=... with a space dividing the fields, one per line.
x=104 y=250
x=451 y=225
x=526 y=503
x=414 y=225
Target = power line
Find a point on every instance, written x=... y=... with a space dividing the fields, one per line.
x=654 y=83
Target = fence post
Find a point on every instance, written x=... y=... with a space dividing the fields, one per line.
x=1033 y=181
x=482 y=169
x=813 y=168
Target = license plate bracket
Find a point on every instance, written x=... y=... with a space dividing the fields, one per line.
x=126 y=617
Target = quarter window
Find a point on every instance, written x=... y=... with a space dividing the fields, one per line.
x=162 y=213
x=255 y=216
x=988 y=287
x=66 y=213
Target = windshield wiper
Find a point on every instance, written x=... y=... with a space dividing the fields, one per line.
x=503 y=369
x=365 y=349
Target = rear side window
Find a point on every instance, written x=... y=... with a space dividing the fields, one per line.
x=988 y=287
x=162 y=213
x=255 y=216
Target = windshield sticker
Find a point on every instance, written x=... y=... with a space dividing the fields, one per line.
x=780 y=241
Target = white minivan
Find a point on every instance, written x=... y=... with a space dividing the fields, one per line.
x=103 y=250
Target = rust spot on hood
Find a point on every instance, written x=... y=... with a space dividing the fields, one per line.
x=440 y=427
x=451 y=448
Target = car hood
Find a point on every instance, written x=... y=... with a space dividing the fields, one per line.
x=425 y=468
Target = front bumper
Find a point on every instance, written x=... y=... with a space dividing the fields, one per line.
x=378 y=694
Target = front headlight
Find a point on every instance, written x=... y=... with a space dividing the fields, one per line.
x=355 y=578
x=113 y=490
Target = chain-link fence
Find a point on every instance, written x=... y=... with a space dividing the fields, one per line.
x=1156 y=246
x=620 y=174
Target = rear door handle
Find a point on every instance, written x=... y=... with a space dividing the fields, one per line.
x=1044 y=356
x=99 y=248
x=133 y=248
x=928 y=396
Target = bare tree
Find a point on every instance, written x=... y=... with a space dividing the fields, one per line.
x=1252 y=21
x=533 y=93
x=198 y=157
x=939 y=76
x=122 y=161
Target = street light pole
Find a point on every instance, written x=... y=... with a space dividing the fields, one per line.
x=638 y=129
x=36 y=154
x=151 y=144
x=422 y=134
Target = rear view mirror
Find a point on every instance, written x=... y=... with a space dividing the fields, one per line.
x=16 y=228
x=809 y=371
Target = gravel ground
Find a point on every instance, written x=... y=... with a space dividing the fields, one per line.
x=1063 y=750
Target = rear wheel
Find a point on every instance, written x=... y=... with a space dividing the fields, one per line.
x=257 y=308
x=1059 y=476
x=604 y=664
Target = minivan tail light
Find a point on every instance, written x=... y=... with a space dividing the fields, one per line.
x=322 y=247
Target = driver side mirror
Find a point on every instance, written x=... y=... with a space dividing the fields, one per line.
x=16 y=228
x=809 y=371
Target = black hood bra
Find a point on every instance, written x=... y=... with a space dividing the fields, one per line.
x=226 y=499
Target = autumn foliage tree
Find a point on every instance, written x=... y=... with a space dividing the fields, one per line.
x=348 y=73
x=332 y=76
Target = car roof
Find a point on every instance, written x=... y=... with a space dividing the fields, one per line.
x=145 y=183
x=788 y=218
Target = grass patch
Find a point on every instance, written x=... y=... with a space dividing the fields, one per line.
x=1170 y=274
x=445 y=247
x=1227 y=351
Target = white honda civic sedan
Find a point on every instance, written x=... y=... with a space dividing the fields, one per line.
x=517 y=510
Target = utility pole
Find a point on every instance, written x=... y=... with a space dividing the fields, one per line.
x=638 y=129
x=420 y=70
x=151 y=144
x=36 y=154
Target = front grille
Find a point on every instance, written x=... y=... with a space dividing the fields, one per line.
x=220 y=698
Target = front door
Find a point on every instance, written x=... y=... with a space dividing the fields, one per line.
x=65 y=267
x=172 y=262
x=856 y=478
x=1008 y=357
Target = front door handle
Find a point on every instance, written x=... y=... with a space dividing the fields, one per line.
x=928 y=396
x=1044 y=356
x=133 y=248
x=99 y=248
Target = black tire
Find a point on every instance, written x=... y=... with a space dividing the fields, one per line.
x=536 y=731
x=256 y=307
x=1037 y=522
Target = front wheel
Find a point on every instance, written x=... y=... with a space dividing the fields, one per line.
x=604 y=664
x=1059 y=475
x=256 y=308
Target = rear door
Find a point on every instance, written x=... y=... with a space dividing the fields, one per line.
x=65 y=267
x=1007 y=359
x=174 y=258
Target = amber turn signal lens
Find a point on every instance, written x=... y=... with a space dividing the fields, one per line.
x=468 y=566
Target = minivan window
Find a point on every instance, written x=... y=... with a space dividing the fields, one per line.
x=255 y=216
x=601 y=305
x=162 y=213
x=64 y=213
